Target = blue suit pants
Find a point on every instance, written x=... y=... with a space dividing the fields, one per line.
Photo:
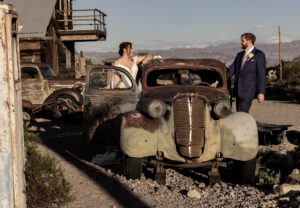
x=243 y=105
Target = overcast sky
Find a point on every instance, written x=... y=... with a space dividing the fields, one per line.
x=163 y=24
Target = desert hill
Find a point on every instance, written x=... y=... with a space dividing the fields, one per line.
x=225 y=52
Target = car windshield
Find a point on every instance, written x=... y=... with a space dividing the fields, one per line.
x=169 y=77
x=47 y=72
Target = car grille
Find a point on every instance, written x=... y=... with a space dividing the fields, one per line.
x=189 y=120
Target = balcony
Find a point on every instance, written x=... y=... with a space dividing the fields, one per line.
x=81 y=25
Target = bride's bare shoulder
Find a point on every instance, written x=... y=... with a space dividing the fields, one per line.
x=118 y=61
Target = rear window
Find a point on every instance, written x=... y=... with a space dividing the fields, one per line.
x=168 y=77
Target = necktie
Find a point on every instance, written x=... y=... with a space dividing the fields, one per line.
x=244 y=59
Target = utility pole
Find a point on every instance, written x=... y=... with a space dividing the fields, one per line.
x=280 y=62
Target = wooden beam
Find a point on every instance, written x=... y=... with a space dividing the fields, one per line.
x=30 y=45
x=79 y=37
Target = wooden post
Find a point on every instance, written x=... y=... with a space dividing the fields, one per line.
x=68 y=58
x=280 y=62
x=66 y=14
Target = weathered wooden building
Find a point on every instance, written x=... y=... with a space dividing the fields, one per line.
x=49 y=29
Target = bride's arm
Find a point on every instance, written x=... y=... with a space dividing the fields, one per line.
x=144 y=58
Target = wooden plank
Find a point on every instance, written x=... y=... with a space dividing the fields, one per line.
x=30 y=59
x=30 y=45
x=79 y=32
x=79 y=37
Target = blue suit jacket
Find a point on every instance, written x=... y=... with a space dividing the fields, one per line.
x=245 y=78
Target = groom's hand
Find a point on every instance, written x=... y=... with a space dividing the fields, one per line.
x=260 y=98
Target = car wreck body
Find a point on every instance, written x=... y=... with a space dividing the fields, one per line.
x=177 y=120
x=42 y=90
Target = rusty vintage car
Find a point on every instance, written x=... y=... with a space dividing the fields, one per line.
x=177 y=119
x=42 y=90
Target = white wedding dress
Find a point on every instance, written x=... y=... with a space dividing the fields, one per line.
x=133 y=71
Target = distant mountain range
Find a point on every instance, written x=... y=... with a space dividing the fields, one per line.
x=225 y=52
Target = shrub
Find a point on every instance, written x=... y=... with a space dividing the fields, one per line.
x=291 y=73
x=45 y=182
x=31 y=137
x=265 y=175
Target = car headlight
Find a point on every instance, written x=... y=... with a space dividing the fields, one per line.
x=156 y=108
x=222 y=108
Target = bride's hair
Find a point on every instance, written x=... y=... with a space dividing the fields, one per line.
x=124 y=45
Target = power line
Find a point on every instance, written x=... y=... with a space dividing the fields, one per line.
x=290 y=35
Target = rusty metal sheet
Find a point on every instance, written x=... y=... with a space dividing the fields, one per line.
x=102 y=116
x=184 y=63
x=168 y=93
x=26 y=104
x=103 y=108
x=194 y=64
x=210 y=63
x=137 y=120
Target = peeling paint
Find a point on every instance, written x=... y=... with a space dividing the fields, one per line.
x=6 y=188
x=12 y=180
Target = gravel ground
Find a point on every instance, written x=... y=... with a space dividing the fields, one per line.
x=96 y=186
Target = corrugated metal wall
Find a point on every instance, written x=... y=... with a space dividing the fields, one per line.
x=34 y=16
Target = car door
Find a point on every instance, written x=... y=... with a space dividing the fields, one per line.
x=32 y=85
x=109 y=93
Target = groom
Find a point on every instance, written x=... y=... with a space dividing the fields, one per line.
x=249 y=68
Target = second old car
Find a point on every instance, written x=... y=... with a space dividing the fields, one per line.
x=178 y=119
x=42 y=90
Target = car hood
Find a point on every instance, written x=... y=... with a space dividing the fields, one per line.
x=168 y=93
x=66 y=82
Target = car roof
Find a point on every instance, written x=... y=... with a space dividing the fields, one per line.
x=185 y=63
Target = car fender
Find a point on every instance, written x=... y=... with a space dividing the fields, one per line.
x=239 y=136
x=142 y=136
x=72 y=92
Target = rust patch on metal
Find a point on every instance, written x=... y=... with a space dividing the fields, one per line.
x=196 y=64
x=137 y=120
x=26 y=104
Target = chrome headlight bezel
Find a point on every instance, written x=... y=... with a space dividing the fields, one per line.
x=156 y=108
x=222 y=108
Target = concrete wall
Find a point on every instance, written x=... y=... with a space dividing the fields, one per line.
x=12 y=182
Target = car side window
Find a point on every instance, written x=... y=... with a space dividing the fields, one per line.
x=29 y=73
x=47 y=72
x=109 y=79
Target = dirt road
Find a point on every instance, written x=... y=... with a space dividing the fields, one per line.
x=96 y=186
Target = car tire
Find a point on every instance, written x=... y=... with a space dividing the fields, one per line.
x=132 y=167
x=27 y=117
x=244 y=171
x=56 y=113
